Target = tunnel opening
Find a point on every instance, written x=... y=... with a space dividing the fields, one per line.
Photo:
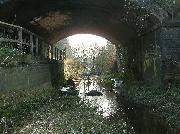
x=90 y=53
x=92 y=63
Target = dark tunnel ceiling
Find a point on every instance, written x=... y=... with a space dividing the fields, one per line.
x=56 y=19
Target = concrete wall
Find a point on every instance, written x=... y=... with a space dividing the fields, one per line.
x=29 y=76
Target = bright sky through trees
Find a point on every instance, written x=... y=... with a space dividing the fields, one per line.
x=86 y=39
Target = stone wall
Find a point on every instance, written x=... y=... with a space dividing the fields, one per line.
x=151 y=56
x=170 y=49
x=155 y=56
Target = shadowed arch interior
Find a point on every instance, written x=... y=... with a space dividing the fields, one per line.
x=54 y=20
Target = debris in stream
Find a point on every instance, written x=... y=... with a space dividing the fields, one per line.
x=68 y=91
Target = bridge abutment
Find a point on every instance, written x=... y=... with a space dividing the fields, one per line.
x=155 y=55
x=170 y=52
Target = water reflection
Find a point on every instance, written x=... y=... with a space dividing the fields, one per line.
x=106 y=103
x=132 y=118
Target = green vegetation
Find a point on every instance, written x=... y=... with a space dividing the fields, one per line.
x=164 y=102
x=5 y=51
x=107 y=78
x=106 y=60
x=125 y=77
x=16 y=106
x=46 y=111
x=68 y=114
x=9 y=56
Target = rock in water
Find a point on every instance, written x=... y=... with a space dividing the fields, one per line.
x=94 y=93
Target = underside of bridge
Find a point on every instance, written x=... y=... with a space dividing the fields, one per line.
x=113 y=19
x=134 y=24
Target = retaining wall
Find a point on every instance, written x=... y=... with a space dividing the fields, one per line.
x=29 y=76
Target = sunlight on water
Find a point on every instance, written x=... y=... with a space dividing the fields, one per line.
x=106 y=103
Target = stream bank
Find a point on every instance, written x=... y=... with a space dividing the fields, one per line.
x=164 y=104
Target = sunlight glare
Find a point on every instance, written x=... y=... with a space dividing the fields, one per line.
x=86 y=39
